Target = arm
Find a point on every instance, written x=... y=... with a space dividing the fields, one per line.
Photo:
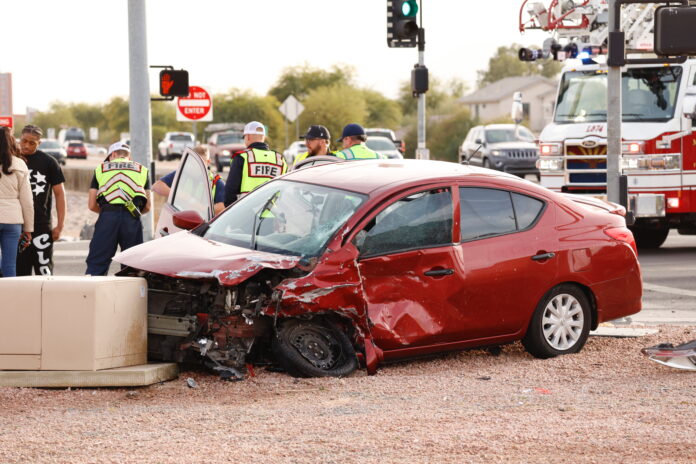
x=92 y=204
x=146 y=208
x=61 y=207
x=160 y=188
x=26 y=201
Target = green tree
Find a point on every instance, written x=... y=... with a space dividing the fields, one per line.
x=505 y=63
x=59 y=115
x=301 y=80
x=381 y=111
x=440 y=93
x=244 y=106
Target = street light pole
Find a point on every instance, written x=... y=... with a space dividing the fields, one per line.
x=614 y=107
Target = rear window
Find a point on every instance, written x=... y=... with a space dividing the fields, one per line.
x=225 y=139
x=380 y=144
x=181 y=138
x=76 y=144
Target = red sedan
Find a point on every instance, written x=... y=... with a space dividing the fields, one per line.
x=363 y=262
x=76 y=149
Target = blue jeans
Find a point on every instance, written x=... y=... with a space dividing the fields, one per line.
x=9 y=241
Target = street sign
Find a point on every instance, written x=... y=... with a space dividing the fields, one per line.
x=198 y=106
x=93 y=133
x=291 y=108
x=6 y=121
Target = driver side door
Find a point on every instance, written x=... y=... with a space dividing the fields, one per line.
x=190 y=191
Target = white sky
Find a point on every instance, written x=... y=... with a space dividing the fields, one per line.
x=77 y=50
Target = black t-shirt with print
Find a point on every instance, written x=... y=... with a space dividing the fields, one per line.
x=44 y=173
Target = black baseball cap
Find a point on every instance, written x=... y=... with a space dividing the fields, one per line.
x=352 y=130
x=317 y=132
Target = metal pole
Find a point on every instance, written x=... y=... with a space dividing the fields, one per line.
x=139 y=101
x=613 y=115
x=421 y=151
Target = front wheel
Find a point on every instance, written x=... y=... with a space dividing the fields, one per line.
x=313 y=348
x=560 y=324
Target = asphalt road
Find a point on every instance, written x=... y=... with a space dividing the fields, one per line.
x=669 y=294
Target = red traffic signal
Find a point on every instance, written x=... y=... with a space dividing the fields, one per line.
x=174 y=83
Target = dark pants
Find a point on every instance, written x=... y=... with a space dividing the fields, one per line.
x=115 y=227
x=39 y=255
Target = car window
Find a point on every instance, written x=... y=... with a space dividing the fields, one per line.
x=421 y=220
x=49 y=144
x=527 y=209
x=485 y=212
x=189 y=193
x=181 y=138
x=224 y=139
x=382 y=144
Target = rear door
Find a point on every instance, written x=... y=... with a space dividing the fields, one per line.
x=191 y=191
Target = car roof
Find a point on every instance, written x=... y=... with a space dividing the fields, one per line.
x=368 y=176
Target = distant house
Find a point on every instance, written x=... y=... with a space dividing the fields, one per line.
x=495 y=100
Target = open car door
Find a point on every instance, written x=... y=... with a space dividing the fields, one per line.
x=191 y=191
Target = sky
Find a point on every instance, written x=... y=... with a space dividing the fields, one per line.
x=77 y=50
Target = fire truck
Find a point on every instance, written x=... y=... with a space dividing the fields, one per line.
x=658 y=101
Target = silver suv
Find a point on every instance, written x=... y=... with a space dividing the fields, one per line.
x=504 y=147
x=173 y=145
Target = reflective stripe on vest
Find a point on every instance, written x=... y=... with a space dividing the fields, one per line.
x=260 y=166
x=121 y=180
x=358 y=151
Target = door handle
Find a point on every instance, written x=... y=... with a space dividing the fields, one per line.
x=543 y=256
x=439 y=272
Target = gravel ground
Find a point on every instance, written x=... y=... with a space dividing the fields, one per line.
x=605 y=404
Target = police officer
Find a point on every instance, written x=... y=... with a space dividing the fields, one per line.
x=354 y=148
x=317 y=140
x=120 y=193
x=254 y=166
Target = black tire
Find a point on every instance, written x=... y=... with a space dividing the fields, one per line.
x=569 y=303
x=487 y=164
x=650 y=238
x=313 y=348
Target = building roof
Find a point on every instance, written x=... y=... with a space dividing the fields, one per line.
x=504 y=87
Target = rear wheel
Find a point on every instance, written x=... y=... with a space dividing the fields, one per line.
x=314 y=348
x=561 y=323
x=650 y=238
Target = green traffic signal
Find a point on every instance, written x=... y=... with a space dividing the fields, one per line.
x=409 y=8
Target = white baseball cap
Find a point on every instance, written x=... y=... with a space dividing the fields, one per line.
x=118 y=146
x=254 y=128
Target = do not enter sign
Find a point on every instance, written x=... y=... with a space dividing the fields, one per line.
x=198 y=106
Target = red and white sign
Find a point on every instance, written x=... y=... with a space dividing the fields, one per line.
x=198 y=106
x=6 y=121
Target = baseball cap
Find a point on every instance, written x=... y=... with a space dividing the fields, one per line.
x=352 y=130
x=254 y=128
x=317 y=132
x=118 y=146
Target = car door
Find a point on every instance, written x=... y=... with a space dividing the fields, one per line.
x=190 y=191
x=506 y=259
x=407 y=263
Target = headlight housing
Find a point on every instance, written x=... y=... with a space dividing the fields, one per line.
x=549 y=149
x=225 y=153
x=651 y=162
x=549 y=164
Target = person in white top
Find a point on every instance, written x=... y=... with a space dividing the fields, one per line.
x=16 y=202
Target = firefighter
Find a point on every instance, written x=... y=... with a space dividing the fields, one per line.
x=120 y=194
x=318 y=141
x=354 y=148
x=254 y=166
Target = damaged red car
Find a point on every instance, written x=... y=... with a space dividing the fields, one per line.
x=351 y=264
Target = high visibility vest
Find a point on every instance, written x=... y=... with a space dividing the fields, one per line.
x=121 y=180
x=306 y=155
x=359 y=151
x=260 y=166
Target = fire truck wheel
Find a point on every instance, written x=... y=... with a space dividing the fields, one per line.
x=650 y=238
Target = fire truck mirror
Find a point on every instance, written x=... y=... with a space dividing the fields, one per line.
x=689 y=107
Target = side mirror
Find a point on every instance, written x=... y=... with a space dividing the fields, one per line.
x=689 y=107
x=479 y=142
x=187 y=220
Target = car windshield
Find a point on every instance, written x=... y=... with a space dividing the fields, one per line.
x=509 y=135
x=224 y=139
x=181 y=138
x=648 y=94
x=380 y=144
x=49 y=144
x=286 y=217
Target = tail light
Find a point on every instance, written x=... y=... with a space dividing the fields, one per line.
x=171 y=145
x=622 y=234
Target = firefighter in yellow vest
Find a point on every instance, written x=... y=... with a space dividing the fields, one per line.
x=120 y=193
x=317 y=140
x=354 y=148
x=254 y=166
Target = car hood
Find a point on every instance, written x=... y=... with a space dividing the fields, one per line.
x=517 y=145
x=186 y=255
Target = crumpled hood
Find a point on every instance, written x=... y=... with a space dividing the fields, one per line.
x=186 y=255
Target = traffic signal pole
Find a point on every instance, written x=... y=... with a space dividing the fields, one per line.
x=140 y=121
x=613 y=107
x=421 y=151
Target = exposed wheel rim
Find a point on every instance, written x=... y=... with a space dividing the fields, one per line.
x=319 y=349
x=563 y=322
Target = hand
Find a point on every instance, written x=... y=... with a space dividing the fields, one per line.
x=55 y=233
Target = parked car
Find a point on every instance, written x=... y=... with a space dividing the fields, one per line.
x=296 y=148
x=383 y=146
x=95 y=150
x=504 y=147
x=388 y=133
x=52 y=147
x=374 y=261
x=173 y=144
x=71 y=133
x=76 y=149
x=222 y=145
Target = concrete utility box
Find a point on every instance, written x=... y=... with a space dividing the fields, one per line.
x=72 y=323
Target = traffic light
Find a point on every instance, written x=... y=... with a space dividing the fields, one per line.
x=402 y=23
x=174 y=83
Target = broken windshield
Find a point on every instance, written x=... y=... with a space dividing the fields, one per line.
x=647 y=94
x=286 y=217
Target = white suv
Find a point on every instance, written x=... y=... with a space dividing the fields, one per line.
x=173 y=145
